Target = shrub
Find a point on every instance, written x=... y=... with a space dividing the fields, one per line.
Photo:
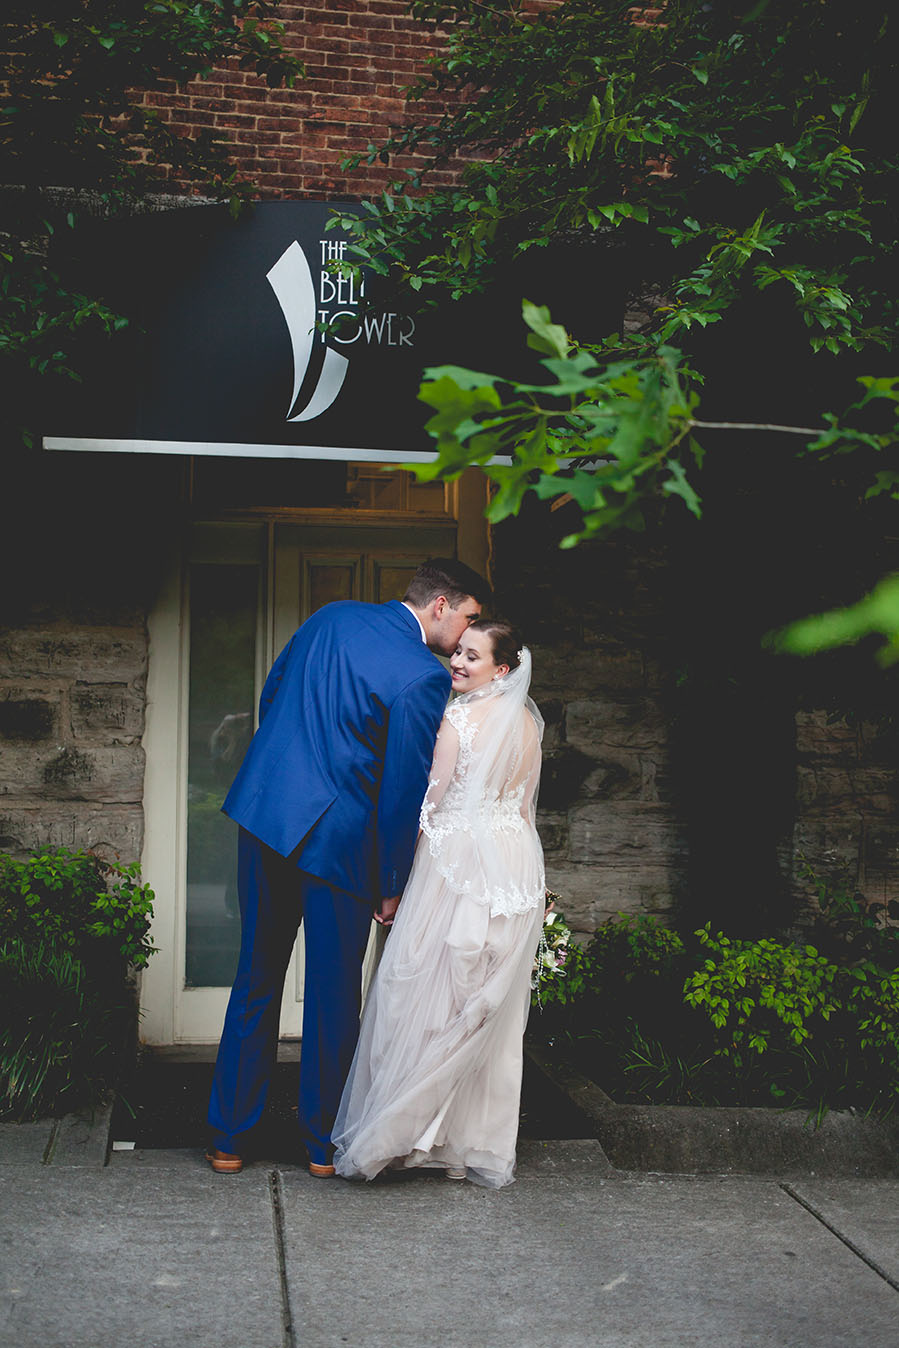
x=75 y=900
x=630 y=965
x=72 y=927
x=713 y=1020
x=847 y=925
x=756 y=991
x=61 y=1037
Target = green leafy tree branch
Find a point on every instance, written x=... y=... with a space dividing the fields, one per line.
x=739 y=154
x=567 y=114
x=610 y=436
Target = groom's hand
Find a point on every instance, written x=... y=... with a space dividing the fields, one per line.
x=387 y=911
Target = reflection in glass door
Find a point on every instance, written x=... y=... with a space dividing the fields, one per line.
x=224 y=604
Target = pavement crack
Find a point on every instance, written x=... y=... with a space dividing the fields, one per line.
x=277 y=1194
x=834 y=1231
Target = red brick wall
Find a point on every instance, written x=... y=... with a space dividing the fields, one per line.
x=359 y=55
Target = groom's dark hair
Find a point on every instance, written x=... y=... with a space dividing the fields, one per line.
x=446 y=576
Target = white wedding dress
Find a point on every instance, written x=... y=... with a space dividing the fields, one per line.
x=436 y=1079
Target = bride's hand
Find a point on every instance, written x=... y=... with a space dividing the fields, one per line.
x=387 y=911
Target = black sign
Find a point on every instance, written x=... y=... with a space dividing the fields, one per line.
x=245 y=335
x=236 y=353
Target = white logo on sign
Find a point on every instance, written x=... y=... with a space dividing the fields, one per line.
x=291 y=280
x=336 y=310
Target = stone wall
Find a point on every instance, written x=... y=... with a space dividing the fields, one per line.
x=610 y=830
x=71 y=719
x=847 y=792
x=697 y=804
x=608 y=825
x=80 y=554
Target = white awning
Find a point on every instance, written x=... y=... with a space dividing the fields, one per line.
x=240 y=451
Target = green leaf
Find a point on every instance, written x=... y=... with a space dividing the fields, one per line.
x=876 y=613
x=886 y=481
x=583 y=488
x=546 y=336
x=677 y=485
x=466 y=379
x=454 y=403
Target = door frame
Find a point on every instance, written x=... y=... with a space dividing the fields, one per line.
x=166 y=1004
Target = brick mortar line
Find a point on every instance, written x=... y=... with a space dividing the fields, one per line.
x=850 y=1244
x=277 y=1197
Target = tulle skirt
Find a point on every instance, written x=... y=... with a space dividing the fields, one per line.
x=436 y=1079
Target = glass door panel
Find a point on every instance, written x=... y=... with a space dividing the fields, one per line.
x=221 y=708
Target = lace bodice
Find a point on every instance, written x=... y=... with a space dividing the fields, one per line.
x=493 y=810
x=469 y=819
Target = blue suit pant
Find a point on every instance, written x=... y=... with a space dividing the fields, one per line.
x=274 y=897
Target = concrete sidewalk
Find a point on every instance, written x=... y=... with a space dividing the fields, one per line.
x=154 y=1251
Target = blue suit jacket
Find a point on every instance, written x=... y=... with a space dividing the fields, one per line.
x=339 y=765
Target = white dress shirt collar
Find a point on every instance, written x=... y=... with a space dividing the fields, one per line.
x=417 y=619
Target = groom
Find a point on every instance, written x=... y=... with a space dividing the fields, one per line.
x=327 y=799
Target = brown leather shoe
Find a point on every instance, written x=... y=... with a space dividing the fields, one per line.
x=224 y=1162
x=321 y=1171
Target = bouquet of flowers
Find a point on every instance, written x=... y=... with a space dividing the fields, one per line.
x=552 y=952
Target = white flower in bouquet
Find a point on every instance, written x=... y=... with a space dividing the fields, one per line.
x=552 y=952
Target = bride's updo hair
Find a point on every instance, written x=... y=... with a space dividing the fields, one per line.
x=504 y=638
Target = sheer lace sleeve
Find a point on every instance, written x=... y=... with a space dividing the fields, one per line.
x=446 y=754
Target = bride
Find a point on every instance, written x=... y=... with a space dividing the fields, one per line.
x=436 y=1079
